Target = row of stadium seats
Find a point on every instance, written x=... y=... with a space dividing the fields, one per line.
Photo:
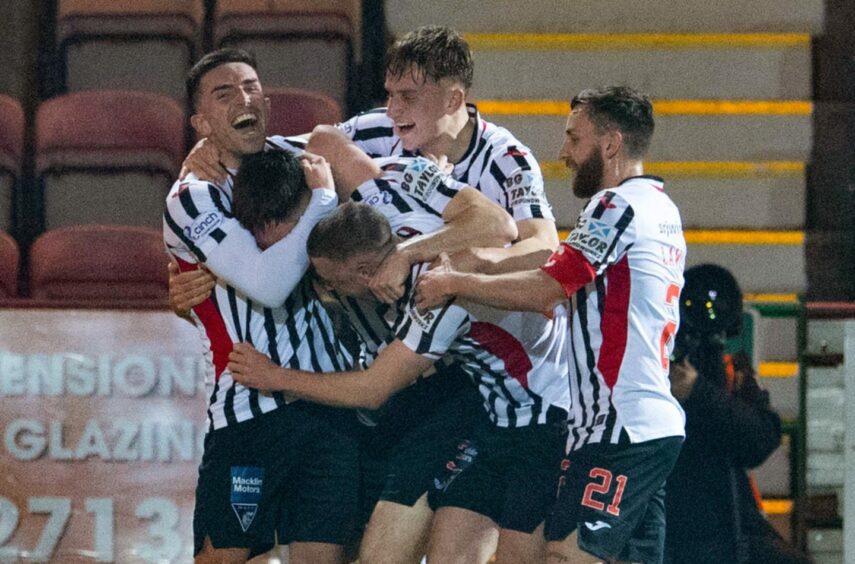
x=104 y=265
x=150 y=44
x=109 y=156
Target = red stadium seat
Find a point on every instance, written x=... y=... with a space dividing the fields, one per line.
x=139 y=45
x=294 y=110
x=108 y=156
x=107 y=264
x=9 y=264
x=11 y=150
x=308 y=43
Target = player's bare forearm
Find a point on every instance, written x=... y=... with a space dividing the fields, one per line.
x=395 y=368
x=538 y=239
x=471 y=220
x=531 y=290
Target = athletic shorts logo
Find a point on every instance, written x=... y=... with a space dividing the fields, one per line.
x=597 y=525
x=246 y=486
x=203 y=225
x=467 y=452
x=421 y=177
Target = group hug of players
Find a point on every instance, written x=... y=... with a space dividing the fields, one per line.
x=508 y=389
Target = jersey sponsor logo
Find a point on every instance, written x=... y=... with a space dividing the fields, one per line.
x=670 y=229
x=421 y=177
x=592 y=237
x=597 y=525
x=424 y=320
x=381 y=199
x=203 y=225
x=246 y=485
x=524 y=188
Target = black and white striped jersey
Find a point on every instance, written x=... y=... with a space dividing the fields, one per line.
x=496 y=163
x=516 y=359
x=622 y=322
x=412 y=193
x=298 y=334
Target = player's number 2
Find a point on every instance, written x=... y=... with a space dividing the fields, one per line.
x=671 y=296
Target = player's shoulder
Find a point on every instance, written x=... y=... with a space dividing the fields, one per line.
x=506 y=150
x=294 y=144
x=643 y=191
x=189 y=183
x=375 y=117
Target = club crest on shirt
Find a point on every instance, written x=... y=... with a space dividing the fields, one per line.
x=203 y=225
x=246 y=487
x=420 y=179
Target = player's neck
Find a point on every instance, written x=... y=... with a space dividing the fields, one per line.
x=621 y=169
x=453 y=144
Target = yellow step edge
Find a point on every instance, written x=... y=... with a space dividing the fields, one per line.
x=660 y=107
x=770 y=298
x=778 y=369
x=556 y=170
x=778 y=506
x=610 y=41
x=733 y=237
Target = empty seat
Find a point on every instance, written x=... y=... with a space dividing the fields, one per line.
x=107 y=156
x=308 y=44
x=9 y=265
x=108 y=264
x=139 y=45
x=11 y=150
x=294 y=110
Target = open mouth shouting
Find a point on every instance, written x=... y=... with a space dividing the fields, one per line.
x=245 y=122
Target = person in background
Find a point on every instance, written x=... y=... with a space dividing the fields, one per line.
x=712 y=504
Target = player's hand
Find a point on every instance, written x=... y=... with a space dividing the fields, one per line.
x=188 y=289
x=204 y=162
x=252 y=369
x=434 y=287
x=317 y=170
x=387 y=284
x=683 y=377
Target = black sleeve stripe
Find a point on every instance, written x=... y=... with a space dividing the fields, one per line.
x=197 y=252
x=187 y=203
x=427 y=208
x=356 y=196
x=536 y=211
x=603 y=205
x=500 y=177
x=446 y=191
x=217 y=198
x=397 y=200
x=218 y=235
x=372 y=133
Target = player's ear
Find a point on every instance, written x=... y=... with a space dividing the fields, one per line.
x=201 y=125
x=614 y=143
x=457 y=99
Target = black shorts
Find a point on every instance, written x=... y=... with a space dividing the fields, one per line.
x=615 y=496
x=507 y=474
x=290 y=472
x=399 y=462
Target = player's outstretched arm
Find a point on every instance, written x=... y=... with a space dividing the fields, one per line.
x=471 y=219
x=394 y=369
x=531 y=290
x=537 y=240
x=351 y=165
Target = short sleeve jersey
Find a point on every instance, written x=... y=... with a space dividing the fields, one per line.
x=622 y=323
